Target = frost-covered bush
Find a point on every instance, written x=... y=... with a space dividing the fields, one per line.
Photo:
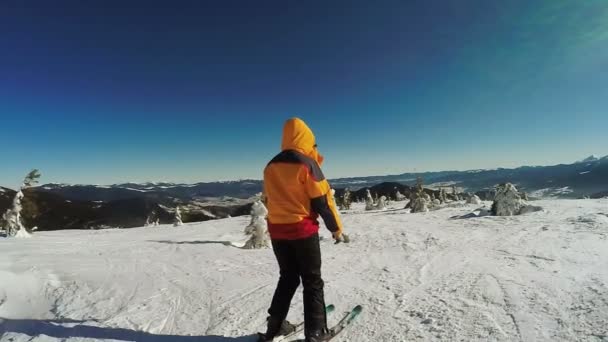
x=257 y=228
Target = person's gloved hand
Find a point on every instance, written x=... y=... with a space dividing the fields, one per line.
x=340 y=237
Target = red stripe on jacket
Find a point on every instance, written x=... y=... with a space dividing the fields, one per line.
x=293 y=231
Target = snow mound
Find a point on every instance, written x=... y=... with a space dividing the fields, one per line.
x=26 y=295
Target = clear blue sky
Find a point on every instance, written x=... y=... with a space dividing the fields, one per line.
x=103 y=92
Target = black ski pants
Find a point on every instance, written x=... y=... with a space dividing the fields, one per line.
x=300 y=260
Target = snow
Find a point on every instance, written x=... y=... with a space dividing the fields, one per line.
x=474 y=199
x=591 y=158
x=420 y=277
x=551 y=192
x=584 y=172
x=439 y=185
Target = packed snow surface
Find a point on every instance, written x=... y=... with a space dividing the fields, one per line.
x=420 y=277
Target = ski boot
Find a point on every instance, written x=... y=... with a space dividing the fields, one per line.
x=276 y=328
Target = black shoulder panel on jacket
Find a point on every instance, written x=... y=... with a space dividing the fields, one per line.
x=295 y=157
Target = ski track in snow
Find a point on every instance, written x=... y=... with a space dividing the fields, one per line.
x=420 y=277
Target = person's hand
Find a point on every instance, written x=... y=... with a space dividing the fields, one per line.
x=340 y=237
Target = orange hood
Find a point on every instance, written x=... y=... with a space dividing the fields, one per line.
x=298 y=136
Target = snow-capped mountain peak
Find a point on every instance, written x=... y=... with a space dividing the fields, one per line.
x=589 y=159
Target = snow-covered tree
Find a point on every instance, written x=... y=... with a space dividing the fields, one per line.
x=257 y=228
x=419 y=199
x=442 y=196
x=426 y=196
x=178 y=218
x=381 y=205
x=346 y=200
x=12 y=217
x=399 y=196
x=420 y=205
x=151 y=219
x=507 y=201
x=473 y=199
x=369 y=201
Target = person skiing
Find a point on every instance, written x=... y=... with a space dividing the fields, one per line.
x=297 y=193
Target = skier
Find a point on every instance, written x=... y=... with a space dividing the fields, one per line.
x=297 y=193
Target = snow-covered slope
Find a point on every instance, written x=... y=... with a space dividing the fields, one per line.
x=420 y=277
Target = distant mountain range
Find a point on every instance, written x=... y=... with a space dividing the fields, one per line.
x=587 y=177
x=63 y=206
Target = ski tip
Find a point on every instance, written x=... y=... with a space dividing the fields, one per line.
x=358 y=308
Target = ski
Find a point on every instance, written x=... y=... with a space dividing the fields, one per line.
x=348 y=318
x=346 y=321
x=300 y=326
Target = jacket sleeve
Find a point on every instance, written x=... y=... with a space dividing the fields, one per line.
x=322 y=202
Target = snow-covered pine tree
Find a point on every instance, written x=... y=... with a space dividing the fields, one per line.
x=420 y=205
x=381 y=205
x=399 y=196
x=419 y=200
x=257 y=228
x=473 y=199
x=507 y=201
x=442 y=196
x=150 y=221
x=178 y=218
x=346 y=201
x=369 y=201
x=12 y=217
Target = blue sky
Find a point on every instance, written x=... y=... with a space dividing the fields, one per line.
x=103 y=92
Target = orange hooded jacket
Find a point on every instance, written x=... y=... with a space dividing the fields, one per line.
x=296 y=190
